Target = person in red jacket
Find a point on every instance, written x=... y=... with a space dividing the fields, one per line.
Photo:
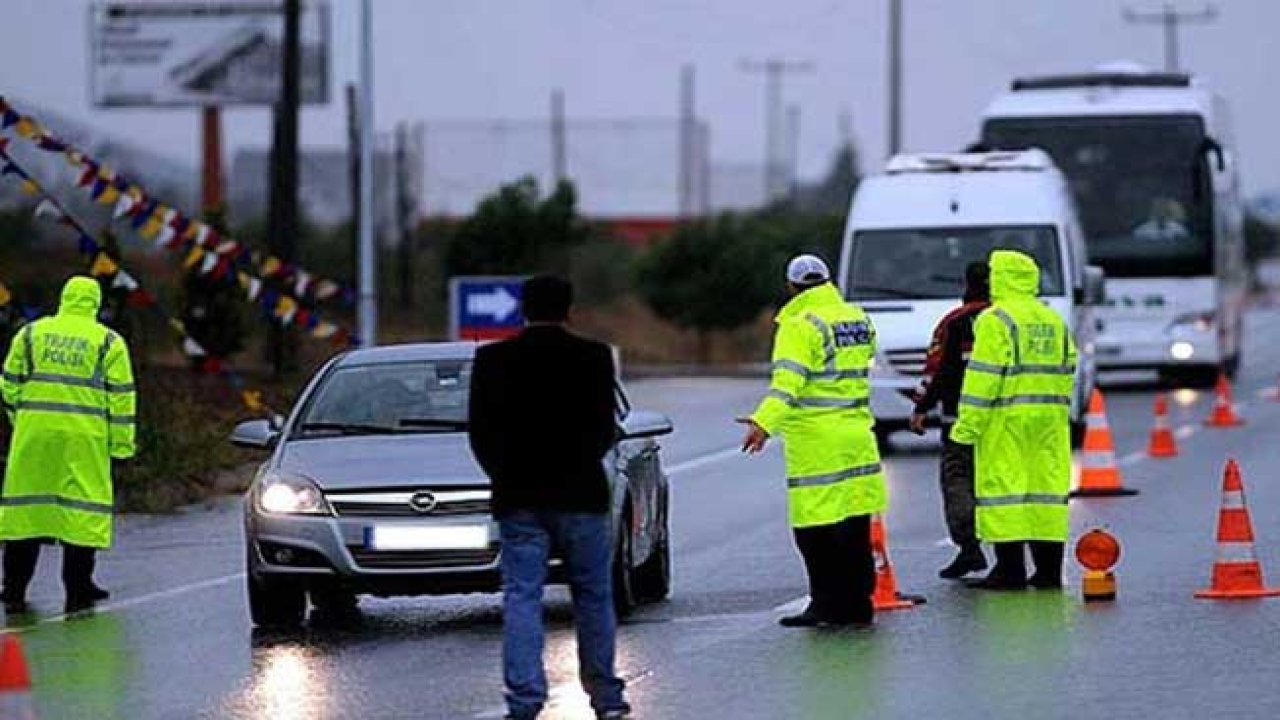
x=943 y=374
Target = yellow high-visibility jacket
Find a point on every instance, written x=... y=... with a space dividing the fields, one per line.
x=819 y=402
x=1015 y=408
x=68 y=389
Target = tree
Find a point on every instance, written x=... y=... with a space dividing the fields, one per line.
x=515 y=230
x=710 y=275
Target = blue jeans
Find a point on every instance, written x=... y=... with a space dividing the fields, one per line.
x=585 y=543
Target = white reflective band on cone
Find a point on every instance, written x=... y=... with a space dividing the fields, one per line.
x=1236 y=552
x=1232 y=500
x=1105 y=458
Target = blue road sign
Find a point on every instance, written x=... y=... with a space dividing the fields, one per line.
x=484 y=308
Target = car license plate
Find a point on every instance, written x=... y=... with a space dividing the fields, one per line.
x=1108 y=350
x=427 y=537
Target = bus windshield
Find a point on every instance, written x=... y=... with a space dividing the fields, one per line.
x=1140 y=183
x=929 y=263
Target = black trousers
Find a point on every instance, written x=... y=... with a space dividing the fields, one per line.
x=1011 y=559
x=842 y=573
x=958 y=498
x=21 y=556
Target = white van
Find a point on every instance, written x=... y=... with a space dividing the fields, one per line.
x=913 y=229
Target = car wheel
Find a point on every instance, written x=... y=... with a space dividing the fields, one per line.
x=335 y=602
x=653 y=578
x=275 y=603
x=624 y=586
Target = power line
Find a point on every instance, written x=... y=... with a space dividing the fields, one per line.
x=1170 y=18
x=775 y=165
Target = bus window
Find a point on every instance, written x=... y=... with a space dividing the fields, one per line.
x=1142 y=186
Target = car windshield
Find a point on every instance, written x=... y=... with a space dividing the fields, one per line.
x=928 y=263
x=407 y=397
x=1140 y=184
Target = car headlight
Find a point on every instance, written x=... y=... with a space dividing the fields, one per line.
x=1197 y=321
x=291 y=495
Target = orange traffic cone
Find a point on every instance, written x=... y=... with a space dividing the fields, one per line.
x=15 y=681
x=1162 y=443
x=1224 y=411
x=1099 y=475
x=1237 y=572
x=886 y=596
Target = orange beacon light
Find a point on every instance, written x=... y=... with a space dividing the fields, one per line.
x=1098 y=551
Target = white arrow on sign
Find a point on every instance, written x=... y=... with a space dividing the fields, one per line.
x=497 y=304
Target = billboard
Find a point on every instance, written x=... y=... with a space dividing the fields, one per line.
x=148 y=54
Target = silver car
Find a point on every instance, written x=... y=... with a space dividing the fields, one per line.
x=371 y=488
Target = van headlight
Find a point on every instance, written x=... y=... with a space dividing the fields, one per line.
x=1198 y=321
x=291 y=495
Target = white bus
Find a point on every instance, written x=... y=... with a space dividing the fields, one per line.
x=1148 y=157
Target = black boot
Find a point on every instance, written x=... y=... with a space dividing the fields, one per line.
x=1010 y=572
x=808 y=618
x=14 y=604
x=1047 y=557
x=968 y=560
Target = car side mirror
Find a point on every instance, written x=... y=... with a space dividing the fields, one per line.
x=260 y=434
x=1094 y=291
x=643 y=424
x=1211 y=148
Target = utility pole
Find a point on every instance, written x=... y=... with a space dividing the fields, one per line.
x=895 y=77
x=793 y=150
x=559 y=159
x=688 y=141
x=773 y=70
x=282 y=226
x=1170 y=18
x=368 y=289
x=353 y=173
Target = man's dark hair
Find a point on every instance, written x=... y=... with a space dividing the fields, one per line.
x=977 y=281
x=546 y=298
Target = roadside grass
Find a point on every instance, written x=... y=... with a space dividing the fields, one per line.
x=183 y=424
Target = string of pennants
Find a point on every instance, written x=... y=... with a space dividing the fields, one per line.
x=284 y=290
x=104 y=268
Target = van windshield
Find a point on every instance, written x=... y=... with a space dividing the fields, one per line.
x=928 y=263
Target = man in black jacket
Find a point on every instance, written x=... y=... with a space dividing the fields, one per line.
x=542 y=418
x=943 y=374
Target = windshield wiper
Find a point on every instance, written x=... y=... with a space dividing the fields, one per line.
x=347 y=428
x=891 y=292
x=441 y=424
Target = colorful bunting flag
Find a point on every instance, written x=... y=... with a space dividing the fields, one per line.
x=49 y=210
x=103 y=266
x=192 y=348
x=124 y=281
x=124 y=206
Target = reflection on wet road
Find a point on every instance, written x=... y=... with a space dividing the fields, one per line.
x=177 y=643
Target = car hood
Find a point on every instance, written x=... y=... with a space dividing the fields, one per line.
x=362 y=462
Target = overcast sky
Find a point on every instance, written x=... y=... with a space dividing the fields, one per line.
x=459 y=59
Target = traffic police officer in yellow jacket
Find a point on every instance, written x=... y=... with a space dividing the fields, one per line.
x=1014 y=410
x=819 y=402
x=67 y=388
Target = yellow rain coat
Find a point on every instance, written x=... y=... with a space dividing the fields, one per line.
x=68 y=390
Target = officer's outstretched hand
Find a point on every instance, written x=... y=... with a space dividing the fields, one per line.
x=756 y=436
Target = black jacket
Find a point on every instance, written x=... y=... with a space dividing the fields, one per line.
x=543 y=416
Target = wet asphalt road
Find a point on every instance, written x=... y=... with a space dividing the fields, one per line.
x=176 y=642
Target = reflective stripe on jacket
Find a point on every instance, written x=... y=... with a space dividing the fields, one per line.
x=68 y=387
x=1015 y=406
x=819 y=403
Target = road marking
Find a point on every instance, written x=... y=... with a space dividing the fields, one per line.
x=1132 y=458
x=703 y=461
x=144 y=599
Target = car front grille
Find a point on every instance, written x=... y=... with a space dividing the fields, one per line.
x=451 y=502
x=907 y=362
x=421 y=559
